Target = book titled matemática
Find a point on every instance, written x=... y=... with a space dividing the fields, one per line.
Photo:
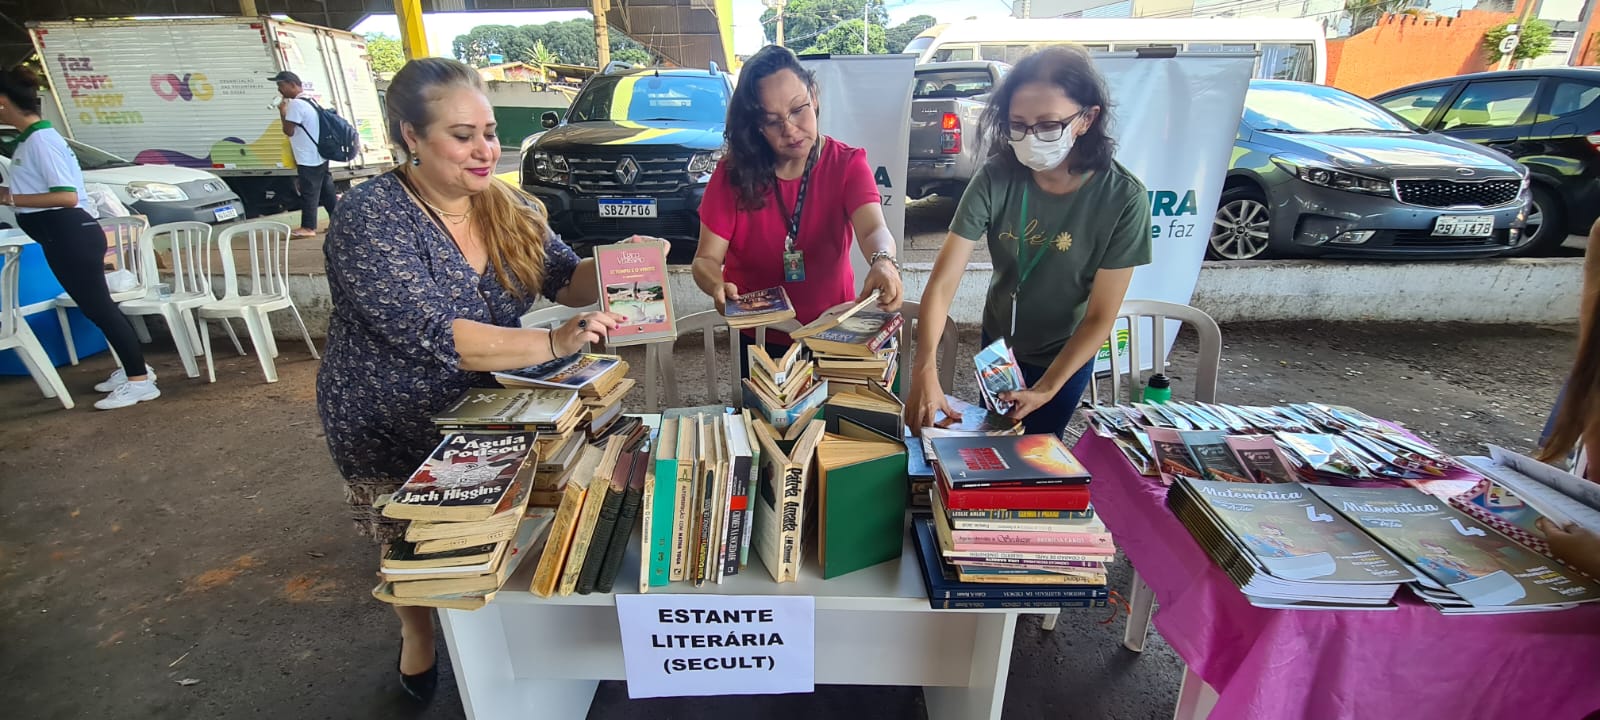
x=464 y=479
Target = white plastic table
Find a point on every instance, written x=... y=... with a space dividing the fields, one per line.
x=526 y=656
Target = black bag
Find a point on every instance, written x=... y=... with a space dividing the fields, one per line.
x=338 y=139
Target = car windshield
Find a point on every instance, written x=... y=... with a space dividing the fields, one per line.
x=952 y=84
x=648 y=97
x=1315 y=109
x=89 y=157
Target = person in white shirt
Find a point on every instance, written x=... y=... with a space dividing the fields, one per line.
x=53 y=208
x=303 y=126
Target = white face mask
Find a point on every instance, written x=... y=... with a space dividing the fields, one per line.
x=1039 y=155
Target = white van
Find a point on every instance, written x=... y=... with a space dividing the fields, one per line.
x=1289 y=49
x=163 y=193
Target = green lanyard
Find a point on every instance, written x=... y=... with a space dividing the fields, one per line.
x=1024 y=268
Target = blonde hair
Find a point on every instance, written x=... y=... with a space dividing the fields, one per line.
x=510 y=222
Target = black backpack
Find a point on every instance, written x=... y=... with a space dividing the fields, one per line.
x=338 y=139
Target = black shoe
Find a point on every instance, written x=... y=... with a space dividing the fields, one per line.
x=420 y=686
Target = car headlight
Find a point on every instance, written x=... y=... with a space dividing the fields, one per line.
x=548 y=167
x=156 y=191
x=1335 y=179
x=703 y=163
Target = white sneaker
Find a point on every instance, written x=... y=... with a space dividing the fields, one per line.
x=129 y=393
x=120 y=378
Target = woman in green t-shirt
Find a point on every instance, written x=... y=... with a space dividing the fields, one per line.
x=1065 y=224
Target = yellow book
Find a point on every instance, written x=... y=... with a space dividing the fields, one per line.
x=583 y=537
x=548 y=572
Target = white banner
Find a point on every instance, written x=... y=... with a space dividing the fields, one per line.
x=866 y=102
x=1174 y=120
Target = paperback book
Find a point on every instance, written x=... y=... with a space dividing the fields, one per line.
x=464 y=479
x=755 y=309
x=633 y=285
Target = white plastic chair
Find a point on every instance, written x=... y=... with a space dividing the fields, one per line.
x=911 y=313
x=189 y=283
x=16 y=335
x=659 y=362
x=125 y=235
x=1141 y=601
x=267 y=245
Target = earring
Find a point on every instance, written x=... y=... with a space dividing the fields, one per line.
x=416 y=161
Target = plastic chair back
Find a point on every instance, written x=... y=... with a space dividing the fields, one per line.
x=126 y=236
x=1130 y=317
x=266 y=246
x=10 y=280
x=190 y=245
x=947 y=350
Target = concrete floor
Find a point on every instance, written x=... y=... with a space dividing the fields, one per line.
x=202 y=537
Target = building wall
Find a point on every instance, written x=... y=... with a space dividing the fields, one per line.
x=1403 y=49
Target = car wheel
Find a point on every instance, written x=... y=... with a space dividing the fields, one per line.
x=1546 y=228
x=1239 y=230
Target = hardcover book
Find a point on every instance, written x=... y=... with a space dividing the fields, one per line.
x=633 y=284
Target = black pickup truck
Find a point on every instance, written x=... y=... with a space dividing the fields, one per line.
x=632 y=156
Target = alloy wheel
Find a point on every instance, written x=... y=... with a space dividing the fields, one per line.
x=1239 y=231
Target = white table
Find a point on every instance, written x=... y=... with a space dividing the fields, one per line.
x=526 y=656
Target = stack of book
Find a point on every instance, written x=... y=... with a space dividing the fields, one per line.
x=593 y=524
x=700 y=504
x=1011 y=526
x=860 y=503
x=755 y=309
x=600 y=380
x=975 y=421
x=470 y=522
x=545 y=411
x=783 y=392
x=854 y=345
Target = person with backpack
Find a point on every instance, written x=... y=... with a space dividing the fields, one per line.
x=302 y=122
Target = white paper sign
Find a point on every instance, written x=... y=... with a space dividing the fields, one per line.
x=680 y=645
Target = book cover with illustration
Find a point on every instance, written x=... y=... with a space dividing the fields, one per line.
x=1008 y=461
x=998 y=372
x=863 y=333
x=633 y=284
x=761 y=307
x=1469 y=558
x=1291 y=534
x=1210 y=449
x=585 y=372
x=1173 y=458
x=464 y=479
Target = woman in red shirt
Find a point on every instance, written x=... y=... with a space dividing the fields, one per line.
x=784 y=202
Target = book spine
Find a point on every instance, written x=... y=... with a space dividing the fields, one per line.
x=984 y=548
x=1085 y=515
x=753 y=481
x=1030 y=539
x=886 y=333
x=662 y=512
x=612 y=564
x=1011 y=556
x=681 y=508
x=738 y=509
x=1014 y=604
x=972 y=484
x=707 y=507
x=794 y=482
x=999 y=566
x=1044 y=593
x=1063 y=498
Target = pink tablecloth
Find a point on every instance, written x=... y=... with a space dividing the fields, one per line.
x=1291 y=664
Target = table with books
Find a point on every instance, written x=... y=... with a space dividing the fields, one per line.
x=546 y=504
x=1368 y=574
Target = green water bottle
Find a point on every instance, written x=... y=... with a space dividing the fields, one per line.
x=1158 y=390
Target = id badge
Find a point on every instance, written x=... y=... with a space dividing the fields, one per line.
x=794 y=266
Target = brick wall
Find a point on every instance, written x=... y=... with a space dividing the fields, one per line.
x=1403 y=49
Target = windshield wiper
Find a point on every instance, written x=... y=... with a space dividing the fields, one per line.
x=660 y=119
x=1361 y=130
x=1286 y=131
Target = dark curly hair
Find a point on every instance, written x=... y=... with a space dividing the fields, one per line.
x=1069 y=68
x=750 y=161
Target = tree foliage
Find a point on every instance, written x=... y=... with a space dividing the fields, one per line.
x=806 y=20
x=386 y=54
x=1535 y=40
x=907 y=31
x=572 y=41
x=845 y=39
x=1366 y=13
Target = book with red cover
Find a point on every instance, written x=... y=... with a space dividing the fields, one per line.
x=1008 y=461
x=1065 y=497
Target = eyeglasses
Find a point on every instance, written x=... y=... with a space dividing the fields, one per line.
x=1048 y=130
x=774 y=124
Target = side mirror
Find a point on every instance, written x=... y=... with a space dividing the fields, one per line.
x=549 y=120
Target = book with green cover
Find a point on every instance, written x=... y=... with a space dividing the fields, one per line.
x=861 y=499
x=662 y=504
x=1469 y=558
x=627 y=517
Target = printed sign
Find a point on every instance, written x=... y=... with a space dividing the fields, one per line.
x=682 y=645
